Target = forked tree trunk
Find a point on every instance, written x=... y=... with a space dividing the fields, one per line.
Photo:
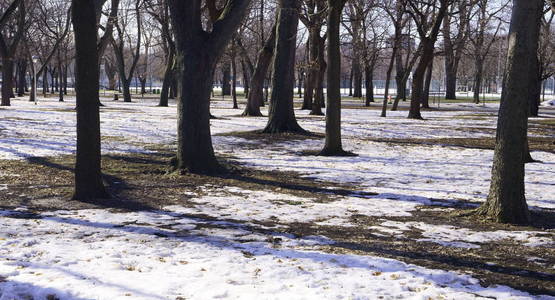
x=281 y=117
x=506 y=200
x=88 y=178
x=256 y=94
x=197 y=54
x=318 y=84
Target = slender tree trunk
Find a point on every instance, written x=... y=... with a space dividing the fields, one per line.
x=479 y=67
x=234 y=82
x=168 y=76
x=281 y=117
x=427 y=83
x=388 y=76
x=506 y=200
x=357 y=78
x=88 y=178
x=333 y=144
x=246 y=78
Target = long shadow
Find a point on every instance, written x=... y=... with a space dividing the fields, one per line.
x=352 y=261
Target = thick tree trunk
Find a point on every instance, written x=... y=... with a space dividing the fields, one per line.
x=333 y=144
x=195 y=152
x=427 y=83
x=7 y=80
x=142 y=81
x=126 y=86
x=308 y=91
x=450 y=78
x=506 y=201
x=281 y=117
x=88 y=178
x=256 y=95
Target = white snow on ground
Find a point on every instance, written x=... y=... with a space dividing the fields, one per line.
x=96 y=254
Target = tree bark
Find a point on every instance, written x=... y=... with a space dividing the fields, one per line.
x=226 y=79
x=168 y=76
x=22 y=79
x=197 y=54
x=256 y=95
x=281 y=116
x=7 y=80
x=479 y=69
x=418 y=78
x=427 y=83
x=88 y=178
x=369 y=83
x=333 y=146
x=506 y=200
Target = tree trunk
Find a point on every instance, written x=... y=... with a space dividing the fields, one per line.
x=535 y=99
x=226 y=79
x=369 y=82
x=388 y=76
x=7 y=80
x=126 y=86
x=450 y=78
x=234 y=83
x=22 y=80
x=357 y=78
x=246 y=79
x=427 y=83
x=318 y=84
x=418 y=78
x=479 y=67
x=506 y=200
x=281 y=117
x=333 y=145
x=256 y=95
x=168 y=75
x=88 y=178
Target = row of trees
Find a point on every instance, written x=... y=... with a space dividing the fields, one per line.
x=198 y=35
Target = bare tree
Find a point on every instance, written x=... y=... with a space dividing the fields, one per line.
x=506 y=201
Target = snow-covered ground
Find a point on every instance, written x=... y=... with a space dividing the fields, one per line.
x=98 y=254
